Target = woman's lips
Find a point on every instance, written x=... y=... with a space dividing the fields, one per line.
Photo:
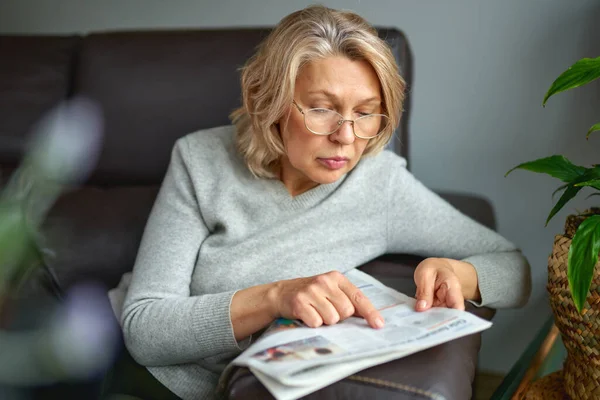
x=333 y=162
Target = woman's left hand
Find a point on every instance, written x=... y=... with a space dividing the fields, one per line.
x=441 y=283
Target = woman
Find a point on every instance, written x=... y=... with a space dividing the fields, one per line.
x=259 y=220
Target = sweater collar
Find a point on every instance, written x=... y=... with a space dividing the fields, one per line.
x=302 y=201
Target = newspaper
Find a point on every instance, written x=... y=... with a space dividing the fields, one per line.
x=293 y=360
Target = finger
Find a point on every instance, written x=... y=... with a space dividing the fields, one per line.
x=425 y=280
x=301 y=308
x=454 y=297
x=362 y=305
x=310 y=317
x=342 y=304
x=440 y=295
x=326 y=310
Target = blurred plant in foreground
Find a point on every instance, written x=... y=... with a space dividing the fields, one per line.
x=80 y=338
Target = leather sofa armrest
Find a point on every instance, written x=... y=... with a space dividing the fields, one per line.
x=474 y=206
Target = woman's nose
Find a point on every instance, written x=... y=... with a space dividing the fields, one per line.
x=345 y=133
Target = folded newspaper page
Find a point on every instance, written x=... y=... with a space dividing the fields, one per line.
x=293 y=360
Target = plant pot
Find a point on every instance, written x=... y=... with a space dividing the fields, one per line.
x=580 y=332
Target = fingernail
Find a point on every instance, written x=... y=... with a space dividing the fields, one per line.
x=379 y=323
x=421 y=304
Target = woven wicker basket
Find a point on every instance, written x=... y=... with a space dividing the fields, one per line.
x=549 y=387
x=580 y=332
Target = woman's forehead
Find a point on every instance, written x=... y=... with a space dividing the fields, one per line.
x=338 y=77
x=329 y=95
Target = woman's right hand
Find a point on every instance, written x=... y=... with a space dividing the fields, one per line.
x=323 y=299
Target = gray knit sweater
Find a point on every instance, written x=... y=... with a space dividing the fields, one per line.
x=215 y=229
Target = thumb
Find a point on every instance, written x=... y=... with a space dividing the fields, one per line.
x=425 y=280
x=455 y=299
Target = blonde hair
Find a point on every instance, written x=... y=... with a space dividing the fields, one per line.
x=268 y=78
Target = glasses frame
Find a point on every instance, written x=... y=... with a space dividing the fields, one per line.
x=341 y=122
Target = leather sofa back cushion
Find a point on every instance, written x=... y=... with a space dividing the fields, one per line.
x=35 y=74
x=157 y=86
x=93 y=234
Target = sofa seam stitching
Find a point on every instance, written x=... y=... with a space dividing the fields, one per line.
x=401 y=386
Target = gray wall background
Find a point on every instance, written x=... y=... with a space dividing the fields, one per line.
x=481 y=69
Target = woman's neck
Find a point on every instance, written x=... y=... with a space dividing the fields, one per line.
x=294 y=181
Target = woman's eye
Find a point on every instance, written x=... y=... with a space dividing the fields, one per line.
x=363 y=114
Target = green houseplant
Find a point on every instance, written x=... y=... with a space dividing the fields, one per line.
x=573 y=268
x=585 y=247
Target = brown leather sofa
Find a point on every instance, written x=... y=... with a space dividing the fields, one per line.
x=154 y=87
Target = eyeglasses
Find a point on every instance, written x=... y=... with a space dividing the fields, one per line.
x=322 y=121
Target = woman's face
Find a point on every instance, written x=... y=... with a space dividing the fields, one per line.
x=349 y=87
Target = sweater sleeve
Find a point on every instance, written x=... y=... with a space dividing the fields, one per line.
x=162 y=323
x=422 y=223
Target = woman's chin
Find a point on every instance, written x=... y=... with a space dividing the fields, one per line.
x=328 y=177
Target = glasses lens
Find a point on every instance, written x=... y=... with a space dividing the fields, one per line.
x=370 y=125
x=322 y=121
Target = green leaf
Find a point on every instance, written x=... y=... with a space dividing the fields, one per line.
x=582 y=72
x=555 y=166
x=13 y=241
x=589 y=177
x=593 y=129
x=561 y=187
x=564 y=199
x=583 y=256
x=593 y=183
